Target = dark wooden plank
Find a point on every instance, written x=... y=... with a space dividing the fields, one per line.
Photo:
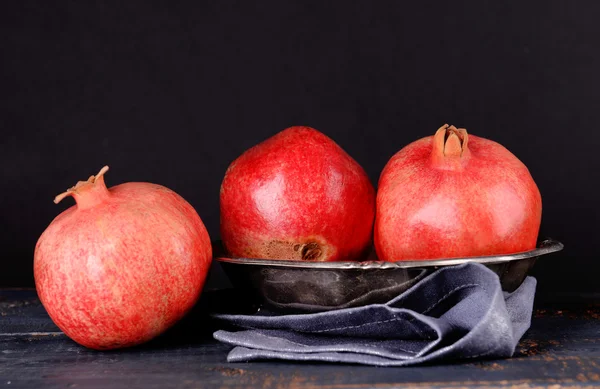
x=561 y=350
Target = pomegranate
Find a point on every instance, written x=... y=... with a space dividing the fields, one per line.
x=297 y=196
x=123 y=264
x=455 y=195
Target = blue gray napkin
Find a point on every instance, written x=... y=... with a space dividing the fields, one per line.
x=456 y=313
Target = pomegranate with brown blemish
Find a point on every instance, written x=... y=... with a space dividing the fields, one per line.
x=123 y=264
x=455 y=195
x=297 y=196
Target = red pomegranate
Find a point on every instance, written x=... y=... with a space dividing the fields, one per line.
x=123 y=264
x=455 y=195
x=297 y=196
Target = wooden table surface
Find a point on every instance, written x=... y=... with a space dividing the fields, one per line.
x=562 y=349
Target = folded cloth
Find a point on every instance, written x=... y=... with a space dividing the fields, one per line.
x=456 y=313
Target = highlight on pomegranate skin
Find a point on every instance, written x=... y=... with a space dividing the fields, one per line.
x=297 y=196
x=455 y=195
x=123 y=264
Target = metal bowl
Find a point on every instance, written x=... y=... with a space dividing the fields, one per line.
x=321 y=286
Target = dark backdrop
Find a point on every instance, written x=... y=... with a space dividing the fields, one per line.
x=171 y=93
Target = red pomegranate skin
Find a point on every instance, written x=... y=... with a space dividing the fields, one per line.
x=297 y=196
x=123 y=265
x=455 y=195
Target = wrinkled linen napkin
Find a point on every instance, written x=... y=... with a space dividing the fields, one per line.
x=456 y=313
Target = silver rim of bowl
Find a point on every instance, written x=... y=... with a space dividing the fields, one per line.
x=545 y=247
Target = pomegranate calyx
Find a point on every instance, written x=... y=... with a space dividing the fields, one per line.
x=84 y=187
x=450 y=144
x=451 y=141
x=453 y=145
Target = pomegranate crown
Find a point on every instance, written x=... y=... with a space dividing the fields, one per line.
x=87 y=193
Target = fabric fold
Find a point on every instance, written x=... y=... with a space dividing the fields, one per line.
x=456 y=313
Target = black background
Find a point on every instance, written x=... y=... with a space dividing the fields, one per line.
x=171 y=93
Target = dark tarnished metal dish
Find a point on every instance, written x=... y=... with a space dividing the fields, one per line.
x=321 y=286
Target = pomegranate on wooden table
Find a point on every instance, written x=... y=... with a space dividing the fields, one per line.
x=297 y=196
x=123 y=264
x=455 y=195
